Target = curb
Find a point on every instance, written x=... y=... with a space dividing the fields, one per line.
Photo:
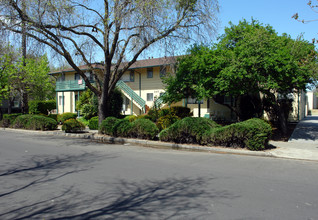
x=148 y=143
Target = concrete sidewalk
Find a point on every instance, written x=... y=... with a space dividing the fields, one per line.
x=303 y=143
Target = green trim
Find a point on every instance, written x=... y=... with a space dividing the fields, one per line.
x=57 y=103
x=70 y=85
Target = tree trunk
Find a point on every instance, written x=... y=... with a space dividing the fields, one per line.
x=24 y=102
x=282 y=121
x=10 y=104
x=103 y=107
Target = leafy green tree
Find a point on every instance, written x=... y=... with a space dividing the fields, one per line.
x=40 y=85
x=250 y=59
x=18 y=77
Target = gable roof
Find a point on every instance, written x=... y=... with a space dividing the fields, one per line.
x=154 y=62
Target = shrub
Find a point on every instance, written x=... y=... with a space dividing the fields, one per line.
x=83 y=120
x=21 y=121
x=8 y=119
x=93 y=123
x=39 y=122
x=144 y=129
x=107 y=125
x=89 y=111
x=153 y=115
x=122 y=128
x=163 y=112
x=180 y=111
x=72 y=125
x=253 y=134
x=131 y=118
x=187 y=130
x=53 y=116
x=37 y=107
x=166 y=121
x=65 y=116
x=35 y=122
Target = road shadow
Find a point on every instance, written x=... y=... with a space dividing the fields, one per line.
x=43 y=169
x=173 y=198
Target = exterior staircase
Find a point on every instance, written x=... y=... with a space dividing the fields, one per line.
x=134 y=97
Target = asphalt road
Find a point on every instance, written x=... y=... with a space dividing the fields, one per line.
x=47 y=177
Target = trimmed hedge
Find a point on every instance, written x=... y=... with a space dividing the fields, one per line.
x=122 y=128
x=144 y=129
x=8 y=119
x=38 y=122
x=253 y=134
x=72 y=125
x=53 y=116
x=188 y=130
x=179 y=111
x=166 y=121
x=139 y=128
x=37 y=107
x=22 y=121
x=65 y=116
x=35 y=122
x=93 y=123
x=107 y=125
x=130 y=118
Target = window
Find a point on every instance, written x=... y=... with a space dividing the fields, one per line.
x=125 y=104
x=161 y=93
x=149 y=97
x=16 y=104
x=61 y=100
x=90 y=76
x=61 y=78
x=77 y=76
x=132 y=76
x=149 y=72
x=162 y=71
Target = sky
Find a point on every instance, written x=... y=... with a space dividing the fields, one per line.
x=277 y=13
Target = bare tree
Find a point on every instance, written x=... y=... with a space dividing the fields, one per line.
x=119 y=30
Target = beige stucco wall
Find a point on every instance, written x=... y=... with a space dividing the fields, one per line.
x=312 y=100
x=69 y=102
x=299 y=107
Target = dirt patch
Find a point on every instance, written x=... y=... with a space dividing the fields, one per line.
x=279 y=136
